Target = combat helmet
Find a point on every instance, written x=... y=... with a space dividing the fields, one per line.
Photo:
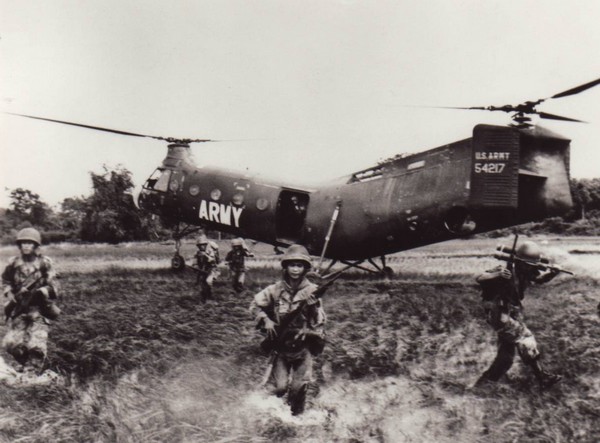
x=237 y=242
x=296 y=253
x=202 y=240
x=29 y=234
x=529 y=251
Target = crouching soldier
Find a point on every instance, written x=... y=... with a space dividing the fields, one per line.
x=293 y=318
x=31 y=289
x=502 y=292
x=207 y=260
x=236 y=259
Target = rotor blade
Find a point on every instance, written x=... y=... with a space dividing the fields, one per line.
x=577 y=89
x=558 y=117
x=481 y=108
x=114 y=131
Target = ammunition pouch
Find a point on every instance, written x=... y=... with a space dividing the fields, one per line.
x=315 y=345
x=289 y=343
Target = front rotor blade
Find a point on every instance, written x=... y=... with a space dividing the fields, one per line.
x=558 y=117
x=481 y=108
x=577 y=89
x=114 y=131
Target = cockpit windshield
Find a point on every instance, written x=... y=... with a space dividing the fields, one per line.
x=159 y=180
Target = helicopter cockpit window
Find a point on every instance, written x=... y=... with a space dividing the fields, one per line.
x=159 y=180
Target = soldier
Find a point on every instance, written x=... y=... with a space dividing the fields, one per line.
x=207 y=260
x=293 y=319
x=502 y=292
x=31 y=288
x=236 y=261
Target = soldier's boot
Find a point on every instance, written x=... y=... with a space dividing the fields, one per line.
x=21 y=354
x=37 y=361
x=297 y=400
x=206 y=293
x=544 y=378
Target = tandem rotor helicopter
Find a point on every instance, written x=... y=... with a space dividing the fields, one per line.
x=500 y=177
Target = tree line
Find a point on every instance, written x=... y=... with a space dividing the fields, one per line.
x=109 y=214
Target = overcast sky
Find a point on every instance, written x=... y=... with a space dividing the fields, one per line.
x=303 y=89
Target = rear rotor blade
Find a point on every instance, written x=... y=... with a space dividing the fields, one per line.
x=558 y=117
x=577 y=89
x=114 y=131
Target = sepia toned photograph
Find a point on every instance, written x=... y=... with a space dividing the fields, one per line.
x=319 y=221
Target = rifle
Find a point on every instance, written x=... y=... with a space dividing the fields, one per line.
x=273 y=344
x=543 y=264
x=20 y=301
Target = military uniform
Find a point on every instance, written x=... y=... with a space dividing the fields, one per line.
x=236 y=259
x=502 y=298
x=206 y=260
x=302 y=340
x=31 y=286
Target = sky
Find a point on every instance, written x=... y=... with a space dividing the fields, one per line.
x=301 y=90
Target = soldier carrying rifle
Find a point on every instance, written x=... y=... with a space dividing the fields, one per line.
x=31 y=288
x=292 y=316
x=503 y=289
x=206 y=261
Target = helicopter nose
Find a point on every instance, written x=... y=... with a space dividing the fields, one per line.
x=137 y=190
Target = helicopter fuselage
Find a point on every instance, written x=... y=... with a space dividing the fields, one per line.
x=500 y=177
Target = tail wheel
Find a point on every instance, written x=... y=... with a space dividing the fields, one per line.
x=177 y=263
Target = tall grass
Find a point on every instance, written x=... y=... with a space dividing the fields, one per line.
x=144 y=360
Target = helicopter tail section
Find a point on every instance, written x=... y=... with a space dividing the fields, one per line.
x=519 y=172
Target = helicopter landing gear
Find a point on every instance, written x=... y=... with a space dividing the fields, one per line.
x=383 y=269
x=380 y=269
x=178 y=262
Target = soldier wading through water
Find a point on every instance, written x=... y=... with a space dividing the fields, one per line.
x=502 y=292
x=31 y=288
x=293 y=319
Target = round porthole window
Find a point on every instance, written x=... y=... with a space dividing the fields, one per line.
x=194 y=190
x=238 y=199
x=262 y=204
x=215 y=194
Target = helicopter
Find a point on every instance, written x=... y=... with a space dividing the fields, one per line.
x=500 y=177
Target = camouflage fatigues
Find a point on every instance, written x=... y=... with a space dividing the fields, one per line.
x=502 y=304
x=293 y=355
x=27 y=335
x=206 y=262
x=236 y=259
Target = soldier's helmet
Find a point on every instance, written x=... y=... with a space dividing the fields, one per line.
x=29 y=234
x=529 y=251
x=296 y=253
x=237 y=242
x=202 y=240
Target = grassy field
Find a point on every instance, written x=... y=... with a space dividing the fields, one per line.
x=144 y=361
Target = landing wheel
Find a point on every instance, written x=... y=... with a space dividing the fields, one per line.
x=387 y=272
x=177 y=263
